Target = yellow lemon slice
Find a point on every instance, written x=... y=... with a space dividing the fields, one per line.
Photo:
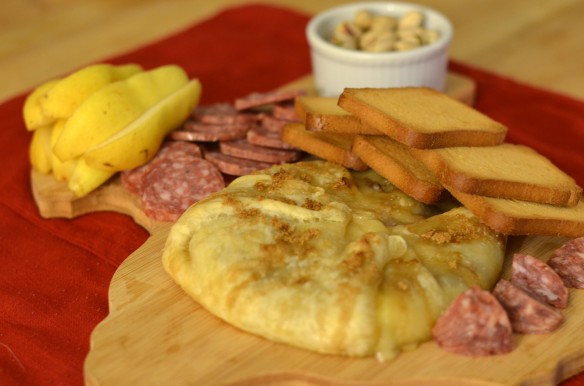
x=139 y=141
x=115 y=106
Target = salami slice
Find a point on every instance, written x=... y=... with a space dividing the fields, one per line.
x=223 y=114
x=271 y=123
x=243 y=149
x=526 y=314
x=235 y=166
x=285 y=111
x=539 y=280
x=133 y=179
x=258 y=99
x=262 y=137
x=179 y=148
x=214 y=109
x=568 y=262
x=205 y=132
x=475 y=324
x=173 y=184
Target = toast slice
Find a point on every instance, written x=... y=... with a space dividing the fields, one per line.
x=395 y=162
x=422 y=117
x=328 y=146
x=514 y=217
x=323 y=114
x=503 y=171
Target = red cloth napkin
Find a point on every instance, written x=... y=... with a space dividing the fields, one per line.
x=55 y=273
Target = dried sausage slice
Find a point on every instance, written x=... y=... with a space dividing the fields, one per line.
x=285 y=111
x=222 y=114
x=526 y=314
x=271 y=123
x=235 y=166
x=262 y=137
x=173 y=184
x=179 y=148
x=539 y=280
x=257 y=99
x=568 y=262
x=205 y=132
x=133 y=179
x=475 y=324
x=214 y=110
x=243 y=149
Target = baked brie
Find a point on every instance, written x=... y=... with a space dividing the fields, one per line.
x=318 y=257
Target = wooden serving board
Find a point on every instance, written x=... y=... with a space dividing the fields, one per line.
x=155 y=334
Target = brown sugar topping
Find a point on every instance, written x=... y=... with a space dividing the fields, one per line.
x=312 y=205
x=285 y=200
x=279 y=178
x=356 y=261
x=463 y=231
x=249 y=213
x=342 y=183
x=287 y=242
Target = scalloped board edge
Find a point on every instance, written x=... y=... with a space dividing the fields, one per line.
x=54 y=199
x=190 y=345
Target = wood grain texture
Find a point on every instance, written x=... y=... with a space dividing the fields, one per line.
x=155 y=333
x=539 y=44
x=457 y=86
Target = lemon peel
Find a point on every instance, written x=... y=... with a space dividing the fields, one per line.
x=33 y=114
x=115 y=106
x=138 y=142
x=61 y=100
x=40 y=150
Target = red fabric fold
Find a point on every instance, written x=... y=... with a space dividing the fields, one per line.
x=551 y=123
x=55 y=272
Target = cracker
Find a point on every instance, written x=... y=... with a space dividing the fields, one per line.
x=422 y=117
x=323 y=114
x=395 y=162
x=504 y=171
x=332 y=147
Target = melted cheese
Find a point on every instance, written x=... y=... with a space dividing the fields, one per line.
x=317 y=257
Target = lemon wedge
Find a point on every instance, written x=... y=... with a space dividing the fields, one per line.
x=139 y=141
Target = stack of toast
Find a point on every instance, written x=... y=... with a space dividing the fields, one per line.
x=432 y=146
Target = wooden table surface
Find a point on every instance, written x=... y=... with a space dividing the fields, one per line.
x=537 y=42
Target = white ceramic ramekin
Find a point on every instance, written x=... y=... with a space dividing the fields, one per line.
x=335 y=68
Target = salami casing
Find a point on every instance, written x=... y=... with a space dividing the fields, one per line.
x=568 y=262
x=258 y=99
x=173 y=184
x=526 y=314
x=475 y=324
x=133 y=179
x=235 y=166
x=243 y=149
x=539 y=280
x=285 y=111
x=272 y=123
x=261 y=137
x=223 y=114
x=205 y=132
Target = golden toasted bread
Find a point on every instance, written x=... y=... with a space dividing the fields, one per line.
x=395 y=162
x=328 y=146
x=323 y=114
x=503 y=171
x=422 y=117
x=515 y=217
